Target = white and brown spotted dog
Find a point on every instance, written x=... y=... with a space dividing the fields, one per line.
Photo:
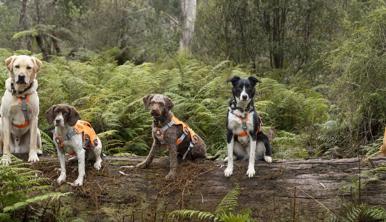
x=76 y=137
x=20 y=109
x=171 y=133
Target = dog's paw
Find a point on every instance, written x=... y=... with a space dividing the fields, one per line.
x=61 y=179
x=170 y=176
x=78 y=182
x=6 y=160
x=98 y=165
x=228 y=171
x=251 y=172
x=33 y=157
x=268 y=159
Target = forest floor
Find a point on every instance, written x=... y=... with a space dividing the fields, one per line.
x=282 y=191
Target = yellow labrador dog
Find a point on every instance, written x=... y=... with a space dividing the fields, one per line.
x=20 y=109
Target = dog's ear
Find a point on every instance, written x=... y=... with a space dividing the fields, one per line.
x=73 y=116
x=9 y=62
x=168 y=103
x=37 y=64
x=147 y=99
x=50 y=114
x=234 y=80
x=253 y=80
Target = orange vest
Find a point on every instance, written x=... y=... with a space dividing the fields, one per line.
x=81 y=127
x=186 y=129
x=86 y=130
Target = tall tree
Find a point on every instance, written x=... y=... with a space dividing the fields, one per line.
x=188 y=9
x=23 y=25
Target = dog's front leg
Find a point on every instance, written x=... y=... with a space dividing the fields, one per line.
x=252 y=155
x=150 y=156
x=62 y=162
x=6 y=159
x=230 y=143
x=33 y=150
x=173 y=161
x=81 y=154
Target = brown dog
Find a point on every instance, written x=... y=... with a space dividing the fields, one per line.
x=170 y=132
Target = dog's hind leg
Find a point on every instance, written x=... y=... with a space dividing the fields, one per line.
x=260 y=150
x=262 y=138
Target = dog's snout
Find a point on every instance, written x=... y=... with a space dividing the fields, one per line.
x=57 y=121
x=20 y=79
x=154 y=112
x=244 y=97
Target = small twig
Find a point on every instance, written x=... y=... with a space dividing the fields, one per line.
x=294 y=206
x=317 y=201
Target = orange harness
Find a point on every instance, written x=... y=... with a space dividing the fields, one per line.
x=89 y=137
x=244 y=125
x=23 y=101
x=187 y=131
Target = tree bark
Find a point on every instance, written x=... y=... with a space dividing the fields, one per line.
x=289 y=190
x=25 y=43
x=188 y=10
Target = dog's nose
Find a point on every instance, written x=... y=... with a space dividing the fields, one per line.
x=21 y=79
x=57 y=121
x=244 y=97
x=154 y=112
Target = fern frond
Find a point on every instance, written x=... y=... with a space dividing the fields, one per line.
x=35 y=199
x=192 y=214
x=229 y=202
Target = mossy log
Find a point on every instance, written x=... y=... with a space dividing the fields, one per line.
x=286 y=190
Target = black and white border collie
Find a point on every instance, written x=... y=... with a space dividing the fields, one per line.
x=245 y=139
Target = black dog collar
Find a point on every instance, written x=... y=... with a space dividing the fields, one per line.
x=14 y=92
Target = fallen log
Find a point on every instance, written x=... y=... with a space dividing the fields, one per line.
x=286 y=190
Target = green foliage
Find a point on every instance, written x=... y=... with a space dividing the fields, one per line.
x=359 y=84
x=360 y=212
x=225 y=211
x=229 y=202
x=21 y=187
x=110 y=97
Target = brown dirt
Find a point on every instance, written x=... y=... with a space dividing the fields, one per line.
x=119 y=194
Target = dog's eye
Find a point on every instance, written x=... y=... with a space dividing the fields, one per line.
x=17 y=66
x=29 y=67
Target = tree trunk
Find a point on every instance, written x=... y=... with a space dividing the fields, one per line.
x=25 y=43
x=274 y=21
x=298 y=190
x=188 y=9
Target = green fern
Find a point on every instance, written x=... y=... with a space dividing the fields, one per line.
x=22 y=187
x=110 y=97
x=362 y=212
x=203 y=216
x=224 y=211
x=229 y=202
